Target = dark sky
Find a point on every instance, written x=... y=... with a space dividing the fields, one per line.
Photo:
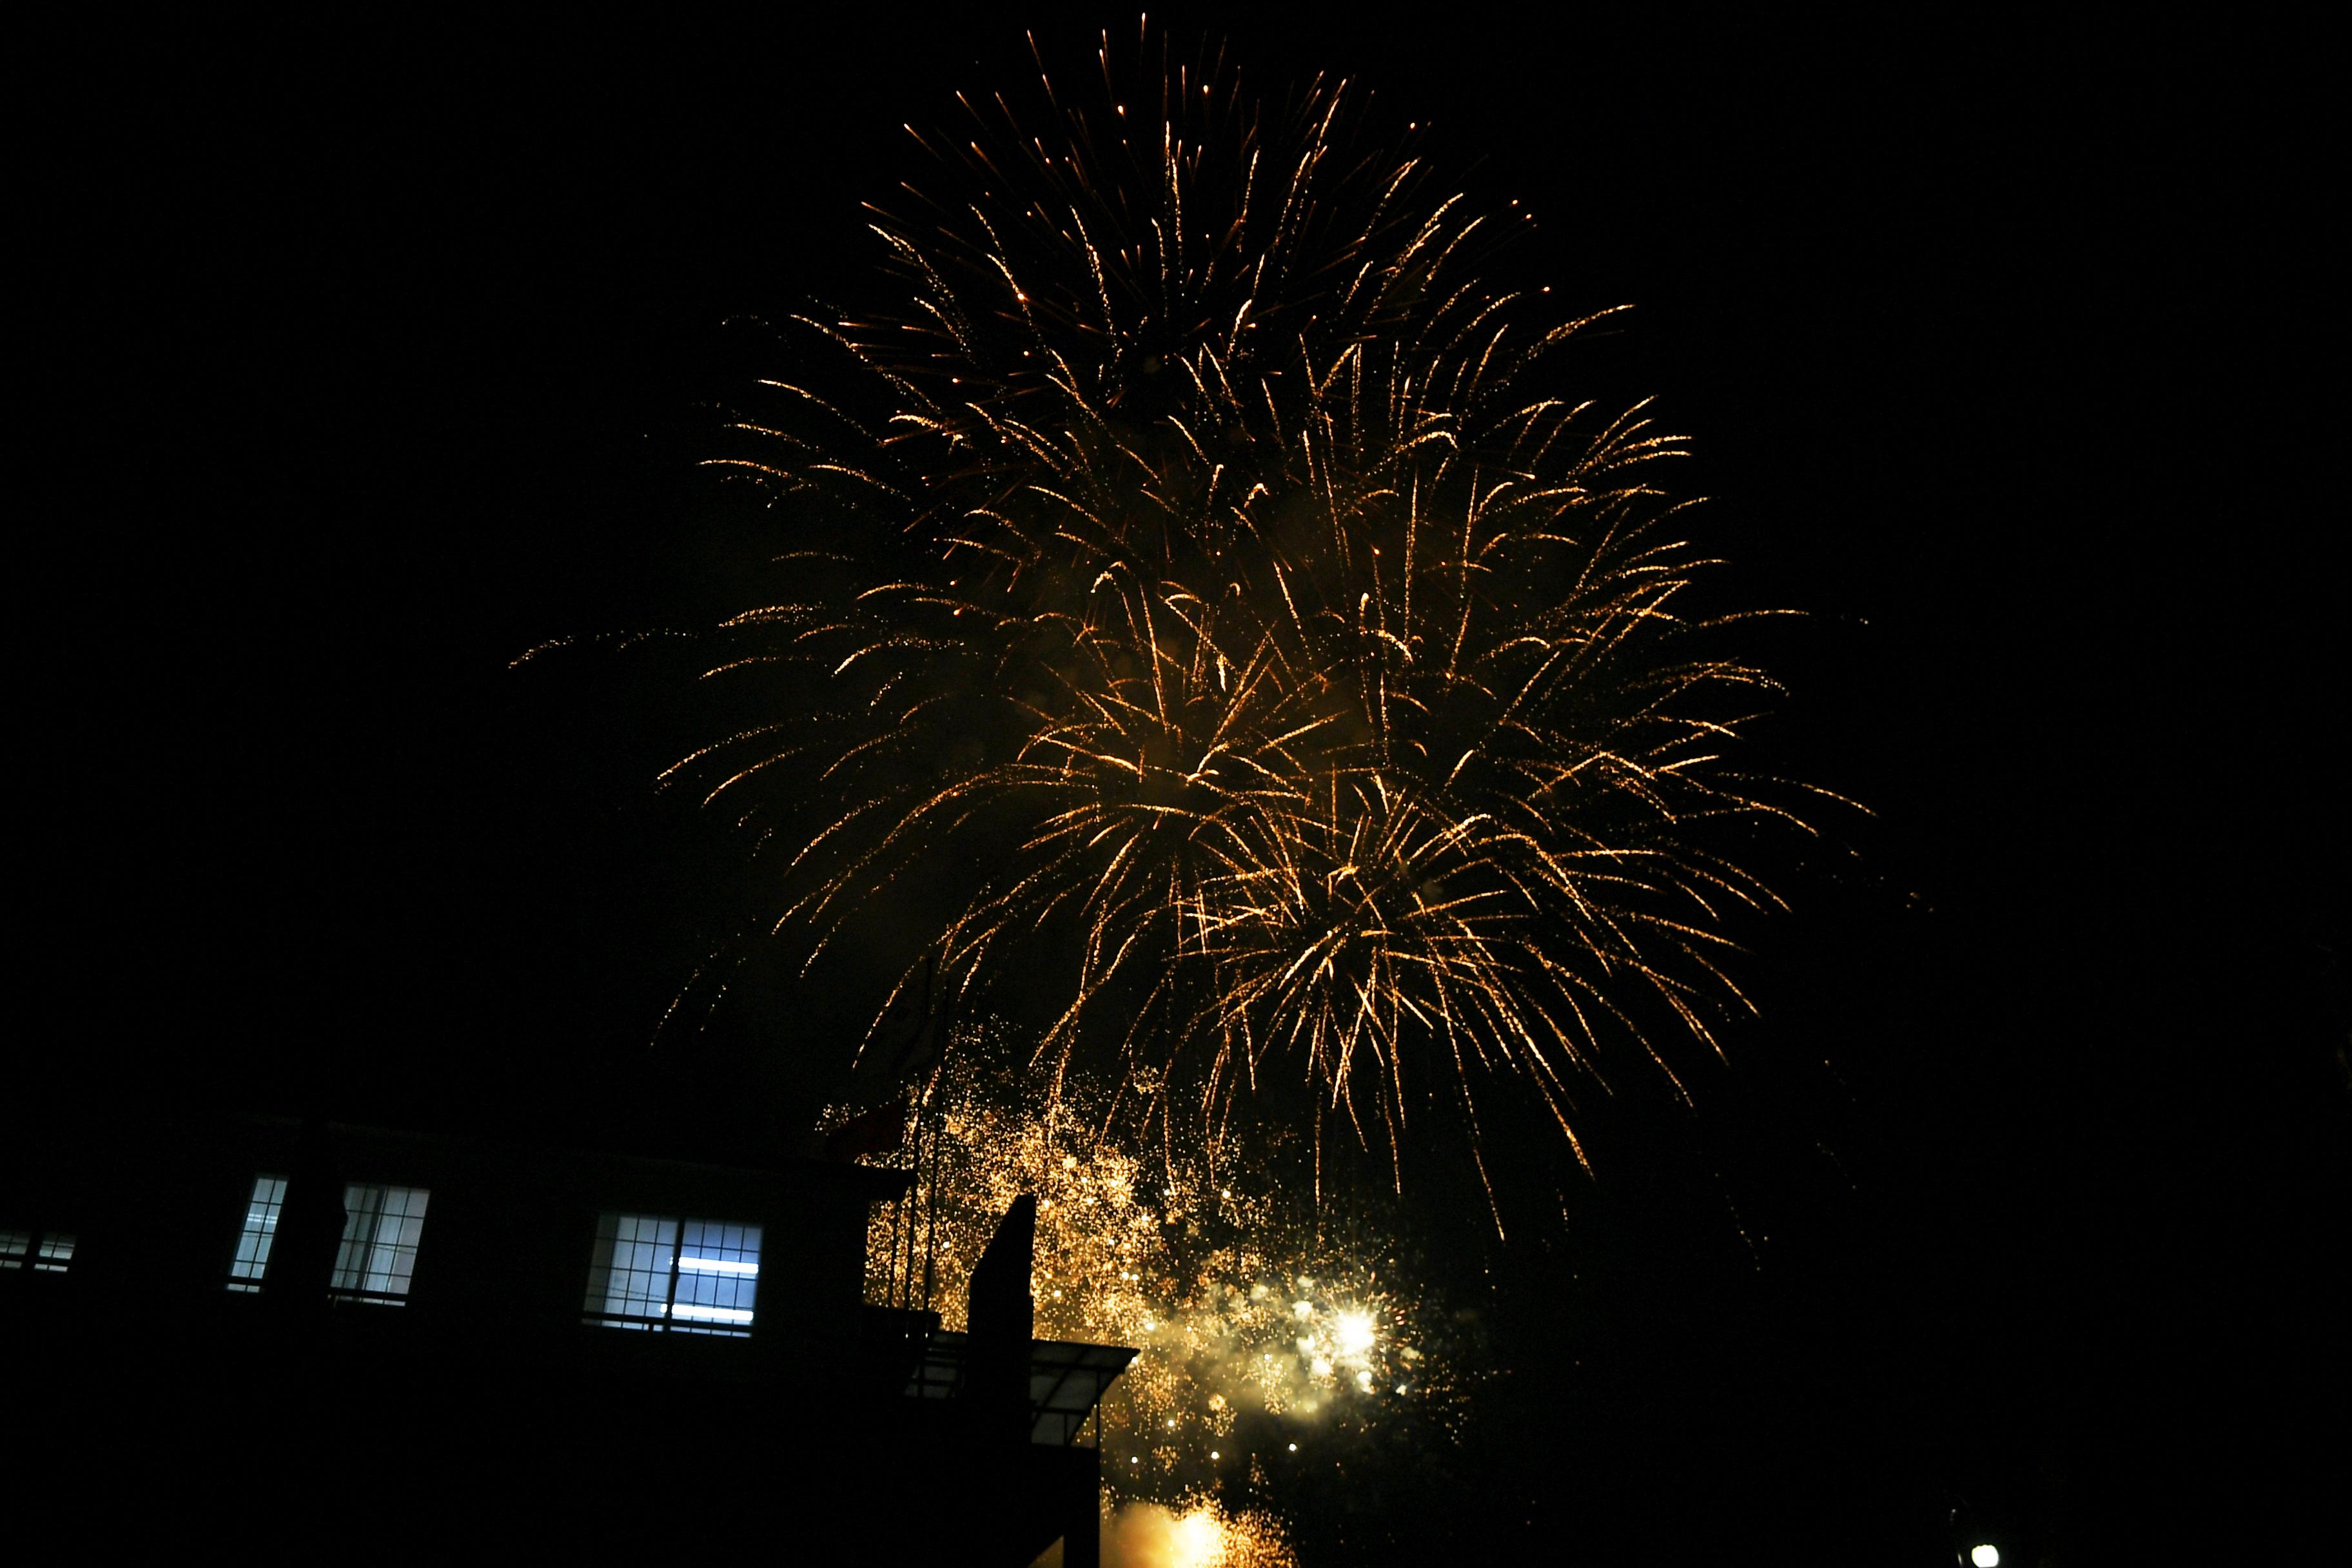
x=359 y=362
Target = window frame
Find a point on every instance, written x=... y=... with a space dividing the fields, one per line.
x=356 y=1249
x=695 y=1275
x=248 y=1264
x=44 y=1250
x=357 y=1254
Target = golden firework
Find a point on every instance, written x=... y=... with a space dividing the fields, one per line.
x=1196 y=598
x=1263 y=1330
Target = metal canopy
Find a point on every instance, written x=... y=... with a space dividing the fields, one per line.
x=1066 y=1380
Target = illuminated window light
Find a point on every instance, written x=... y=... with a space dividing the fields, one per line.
x=685 y=1276
x=251 y=1262
x=50 y=1252
x=717 y=1266
x=711 y=1314
x=381 y=1228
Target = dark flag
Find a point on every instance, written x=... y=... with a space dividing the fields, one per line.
x=880 y=1130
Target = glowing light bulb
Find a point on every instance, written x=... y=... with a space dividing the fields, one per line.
x=1985 y=1556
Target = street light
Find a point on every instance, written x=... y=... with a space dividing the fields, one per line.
x=1974 y=1532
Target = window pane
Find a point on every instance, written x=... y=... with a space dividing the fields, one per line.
x=718 y=1276
x=252 y=1260
x=629 y=1275
x=382 y=1227
x=56 y=1254
x=651 y=1272
x=13 y=1245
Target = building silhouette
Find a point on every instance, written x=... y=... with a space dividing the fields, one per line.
x=322 y=1339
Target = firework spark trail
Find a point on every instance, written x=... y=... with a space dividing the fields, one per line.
x=1260 y=1331
x=1206 y=585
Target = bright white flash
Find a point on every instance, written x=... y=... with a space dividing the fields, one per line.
x=1197 y=1541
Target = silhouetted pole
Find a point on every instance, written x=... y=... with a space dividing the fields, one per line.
x=310 y=1228
x=1001 y=1320
x=1002 y=1316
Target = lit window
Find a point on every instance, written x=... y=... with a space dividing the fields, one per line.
x=252 y=1260
x=46 y=1250
x=380 y=1227
x=693 y=1277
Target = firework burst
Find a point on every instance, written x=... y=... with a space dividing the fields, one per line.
x=1194 y=599
x=1272 y=1337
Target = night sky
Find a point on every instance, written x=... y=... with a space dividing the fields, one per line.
x=355 y=365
